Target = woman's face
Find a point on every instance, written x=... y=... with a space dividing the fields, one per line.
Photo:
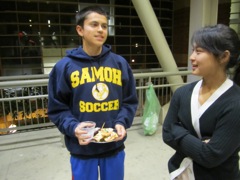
x=204 y=63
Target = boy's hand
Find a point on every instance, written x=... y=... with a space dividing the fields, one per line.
x=121 y=131
x=79 y=132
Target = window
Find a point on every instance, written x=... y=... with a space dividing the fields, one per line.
x=36 y=34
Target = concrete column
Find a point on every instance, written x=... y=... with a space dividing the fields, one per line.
x=157 y=39
x=202 y=13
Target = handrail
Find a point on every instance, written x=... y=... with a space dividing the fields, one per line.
x=160 y=74
x=40 y=82
x=25 y=83
x=22 y=86
x=45 y=76
x=33 y=76
x=157 y=86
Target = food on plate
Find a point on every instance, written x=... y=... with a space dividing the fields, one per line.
x=105 y=135
x=112 y=137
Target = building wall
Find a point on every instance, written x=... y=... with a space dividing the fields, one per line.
x=181 y=31
x=181 y=27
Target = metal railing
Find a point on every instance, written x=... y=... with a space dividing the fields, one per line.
x=23 y=99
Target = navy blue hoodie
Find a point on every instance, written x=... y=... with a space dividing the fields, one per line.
x=84 y=88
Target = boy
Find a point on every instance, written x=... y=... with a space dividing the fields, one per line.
x=93 y=84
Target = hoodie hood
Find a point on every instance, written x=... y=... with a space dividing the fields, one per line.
x=79 y=53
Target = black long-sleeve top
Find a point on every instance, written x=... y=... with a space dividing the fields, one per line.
x=218 y=159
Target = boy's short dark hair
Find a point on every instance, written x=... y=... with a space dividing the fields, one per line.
x=81 y=16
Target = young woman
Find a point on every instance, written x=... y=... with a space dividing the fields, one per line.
x=203 y=121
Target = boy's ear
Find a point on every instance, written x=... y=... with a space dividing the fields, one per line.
x=79 y=30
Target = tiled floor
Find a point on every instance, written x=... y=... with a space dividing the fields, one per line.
x=39 y=155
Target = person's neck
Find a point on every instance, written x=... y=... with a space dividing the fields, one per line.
x=92 y=51
x=209 y=86
x=213 y=83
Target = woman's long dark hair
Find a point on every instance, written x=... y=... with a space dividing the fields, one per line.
x=216 y=40
x=236 y=77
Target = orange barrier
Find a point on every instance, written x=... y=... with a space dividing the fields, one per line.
x=9 y=119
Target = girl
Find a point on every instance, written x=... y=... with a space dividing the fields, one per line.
x=203 y=121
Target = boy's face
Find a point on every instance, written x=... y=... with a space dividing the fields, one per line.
x=95 y=30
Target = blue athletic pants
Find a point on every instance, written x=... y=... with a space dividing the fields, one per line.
x=110 y=168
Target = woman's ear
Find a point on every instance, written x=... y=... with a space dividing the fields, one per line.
x=79 y=30
x=225 y=57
